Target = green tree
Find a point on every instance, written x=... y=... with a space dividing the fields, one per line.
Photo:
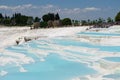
x=19 y=19
x=52 y=16
x=83 y=22
x=43 y=24
x=66 y=21
x=1 y=18
x=76 y=23
x=101 y=20
x=46 y=18
x=117 y=17
x=109 y=20
x=7 y=21
x=57 y=17
x=37 y=19
x=30 y=21
x=88 y=22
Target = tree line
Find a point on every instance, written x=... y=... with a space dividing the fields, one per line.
x=50 y=20
x=18 y=19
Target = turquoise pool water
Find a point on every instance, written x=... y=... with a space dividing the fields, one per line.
x=113 y=59
x=54 y=68
x=99 y=34
x=66 y=42
x=113 y=76
x=59 y=58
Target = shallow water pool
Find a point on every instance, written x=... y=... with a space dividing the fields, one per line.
x=99 y=34
x=60 y=58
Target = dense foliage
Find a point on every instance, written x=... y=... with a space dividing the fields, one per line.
x=117 y=17
x=43 y=24
x=66 y=21
x=16 y=19
x=50 y=16
x=37 y=19
x=51 y=20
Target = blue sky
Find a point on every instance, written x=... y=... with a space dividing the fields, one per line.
x=75 y=9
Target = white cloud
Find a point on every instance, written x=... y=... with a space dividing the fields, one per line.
x=4 y=7
x=48 y=6
x=91 y=9
x=34 y=10
x=16 y=7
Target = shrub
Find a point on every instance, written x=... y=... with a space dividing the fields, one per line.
x=66 y=21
